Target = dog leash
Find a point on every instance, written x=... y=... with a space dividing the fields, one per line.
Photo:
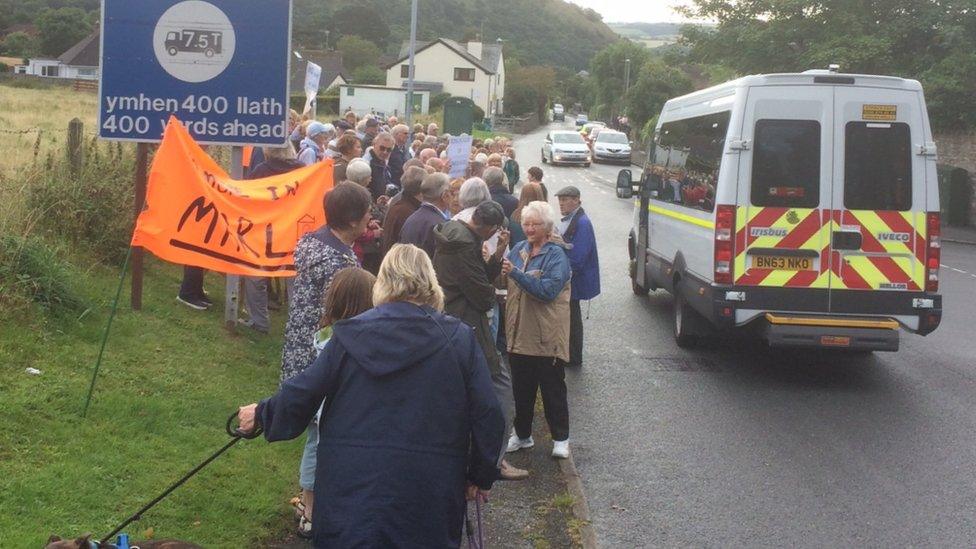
x=236 y=436
x=479 y=542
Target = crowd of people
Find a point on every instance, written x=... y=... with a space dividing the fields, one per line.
x=422 y=321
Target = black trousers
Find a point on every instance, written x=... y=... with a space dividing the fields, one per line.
x=192 y=285
x=575 y=333
x=530 y=374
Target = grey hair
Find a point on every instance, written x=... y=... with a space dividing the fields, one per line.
x=280 y=153
x=495 y=177
x=384 y=136
x=399 y=128
x=542 y=211
x=359 y=172
x=434 y=186
x=473 y=192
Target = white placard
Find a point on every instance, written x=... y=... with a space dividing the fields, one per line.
x=313 y=74
x=459 y=152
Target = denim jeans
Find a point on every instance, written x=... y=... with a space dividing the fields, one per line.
x=306 y=472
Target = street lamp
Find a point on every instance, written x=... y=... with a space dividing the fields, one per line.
x=413 y=47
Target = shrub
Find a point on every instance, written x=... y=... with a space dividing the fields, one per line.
x=437 y=101
x=31 y=268
x=92 y=208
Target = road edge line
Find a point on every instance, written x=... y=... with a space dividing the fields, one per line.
x=581 y=509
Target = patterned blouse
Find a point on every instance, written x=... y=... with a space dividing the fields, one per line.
x=318 y=257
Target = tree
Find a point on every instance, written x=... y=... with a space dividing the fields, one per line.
x=362 y=21
x=607 y=70
x=18 y=44
x=655 y=84
x=934 y=40
x=527 y=89
x=520 y=98
x=357 y=52
x=60 y=29
x=369 y=74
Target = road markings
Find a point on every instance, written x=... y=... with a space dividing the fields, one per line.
x=960 y=271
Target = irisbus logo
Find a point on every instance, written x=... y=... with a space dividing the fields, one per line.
x=757 y=232
x=894 y=237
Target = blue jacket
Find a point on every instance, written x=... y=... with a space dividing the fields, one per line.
x=410 y=418
x=418 y=229
x=583 y=258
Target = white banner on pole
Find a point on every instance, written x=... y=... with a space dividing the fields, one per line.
x=459 y=153
x=313 y=74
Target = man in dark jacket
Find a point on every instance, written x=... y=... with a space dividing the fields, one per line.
x=379 y=162
x=577 y=230
x=495 y=179
x=470 y=296
x=400 y=154
x=410 y=421
x=371 y=130
x=418 y=229
x=408 y=203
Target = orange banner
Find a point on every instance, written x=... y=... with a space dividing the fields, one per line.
x=197 y=215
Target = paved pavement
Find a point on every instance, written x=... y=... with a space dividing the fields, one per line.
x=735 y=445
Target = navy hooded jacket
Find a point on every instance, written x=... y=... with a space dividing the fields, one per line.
x=410 y=418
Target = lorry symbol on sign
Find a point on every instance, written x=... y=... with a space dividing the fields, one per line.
x=194 y=41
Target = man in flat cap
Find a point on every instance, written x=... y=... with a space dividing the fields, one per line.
x=576 y=229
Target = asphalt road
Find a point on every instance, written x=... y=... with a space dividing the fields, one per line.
x=736 y=445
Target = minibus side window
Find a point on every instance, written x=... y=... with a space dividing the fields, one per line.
x=687 y=158
x=786 y=164
x=877 y=166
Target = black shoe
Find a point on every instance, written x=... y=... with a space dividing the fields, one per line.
x=206 y=298
x=193 y=303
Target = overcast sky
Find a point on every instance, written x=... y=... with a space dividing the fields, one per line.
x=648 y=11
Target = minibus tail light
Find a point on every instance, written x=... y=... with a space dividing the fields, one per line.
x=933 y=251
x=724 y=244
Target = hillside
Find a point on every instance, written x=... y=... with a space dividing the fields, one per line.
x=652 y=35
x=549 y=32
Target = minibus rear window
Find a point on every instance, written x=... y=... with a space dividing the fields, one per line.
x=786 y=164
x=878 y=166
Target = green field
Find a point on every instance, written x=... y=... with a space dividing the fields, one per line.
x=169 y=379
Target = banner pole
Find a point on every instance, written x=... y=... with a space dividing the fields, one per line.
x=142 y=161
x=108 y=327
x=233 y=288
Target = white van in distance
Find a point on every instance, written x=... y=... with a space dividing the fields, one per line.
x=804 y=205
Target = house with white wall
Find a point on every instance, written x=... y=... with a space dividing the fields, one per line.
x=475 y=70
x=80 y=62
x=380 y=100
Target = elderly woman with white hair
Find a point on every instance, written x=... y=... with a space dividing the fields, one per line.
x=369 y=246
x=537 y=328
x=410 y=425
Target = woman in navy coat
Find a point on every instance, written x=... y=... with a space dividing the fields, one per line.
x=410 y=425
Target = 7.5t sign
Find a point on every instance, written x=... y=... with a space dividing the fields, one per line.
x=220 y=66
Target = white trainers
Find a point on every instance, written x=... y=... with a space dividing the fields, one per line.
x=515 y=443
x=560 y=449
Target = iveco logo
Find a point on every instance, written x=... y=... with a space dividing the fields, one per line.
x=894 y=237
x=757 y=232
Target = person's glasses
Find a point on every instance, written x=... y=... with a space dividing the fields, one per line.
x=383 y=148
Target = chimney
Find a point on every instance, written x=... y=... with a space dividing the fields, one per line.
x=474 y=48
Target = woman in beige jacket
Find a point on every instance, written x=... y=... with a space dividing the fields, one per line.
x=537 y=328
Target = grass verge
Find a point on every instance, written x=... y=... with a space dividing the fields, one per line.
x=170 y=378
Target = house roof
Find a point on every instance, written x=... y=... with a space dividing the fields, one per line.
x=84 y=53
x=491 y=54
x=330 y=61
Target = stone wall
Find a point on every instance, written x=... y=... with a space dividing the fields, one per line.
x=959 y=150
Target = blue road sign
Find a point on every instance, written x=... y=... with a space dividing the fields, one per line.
x=220 y=66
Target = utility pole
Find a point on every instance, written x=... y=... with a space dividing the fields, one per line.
x=413 y=47
x=626 y=75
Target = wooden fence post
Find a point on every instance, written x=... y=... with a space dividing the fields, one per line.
x=75 y=145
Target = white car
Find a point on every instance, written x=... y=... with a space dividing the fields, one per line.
x=558 y=112
x=565 y=147
x=611 y=146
